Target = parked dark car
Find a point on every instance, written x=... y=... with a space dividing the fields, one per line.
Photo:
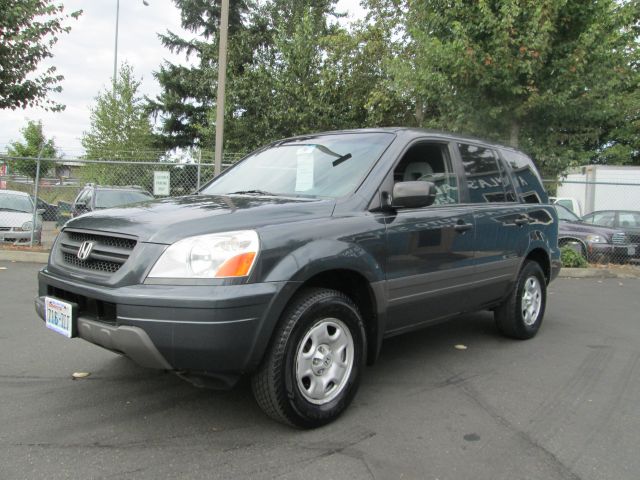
x=49 y=211
x=98 y=197
x=596 y=243
x=293 y=265
x=626 y=220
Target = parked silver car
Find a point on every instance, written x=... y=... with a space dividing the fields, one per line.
x=16 y=218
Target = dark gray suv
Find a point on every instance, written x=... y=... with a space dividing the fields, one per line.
x=295 y=264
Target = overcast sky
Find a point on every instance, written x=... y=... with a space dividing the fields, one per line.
x=85 y=58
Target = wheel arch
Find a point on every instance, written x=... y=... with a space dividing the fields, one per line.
x=366 y=295
x=541 y=257
x=564 y=240
x=335 y=264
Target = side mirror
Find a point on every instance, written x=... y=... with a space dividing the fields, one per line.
x=40 y=211
x=414 y=194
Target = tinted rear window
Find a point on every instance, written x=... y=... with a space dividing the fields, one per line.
x=528 y=181
x=486 y=180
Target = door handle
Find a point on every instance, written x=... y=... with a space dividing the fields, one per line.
x=463 y=227
x=522 y=221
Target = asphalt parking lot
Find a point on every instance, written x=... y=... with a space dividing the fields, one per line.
x=565 y=405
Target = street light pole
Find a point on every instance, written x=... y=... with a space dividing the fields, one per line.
x=222 y=78
x=115 y=55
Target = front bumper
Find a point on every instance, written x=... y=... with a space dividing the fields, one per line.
x=217 y=330
x=610 y=251
x=19 y=237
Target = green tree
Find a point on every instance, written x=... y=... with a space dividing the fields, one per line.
x=35 y=145
x=28 y=31
x=120 y=131
x=285 y=92
x=188 y=92
x=551 y=76
x=292 y=69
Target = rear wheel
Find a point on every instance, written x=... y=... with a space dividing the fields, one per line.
x=312 y=369
x=521 y=314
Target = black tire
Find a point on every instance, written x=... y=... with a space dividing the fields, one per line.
x=512 y=317
x=276 y=385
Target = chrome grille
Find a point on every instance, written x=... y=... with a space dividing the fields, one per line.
x=108 y=254
x=108 y=241
x=634 y=238
x=99 y=265
x=619 y=238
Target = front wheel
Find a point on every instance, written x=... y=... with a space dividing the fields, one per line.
x=312 y=369
x=520 y=315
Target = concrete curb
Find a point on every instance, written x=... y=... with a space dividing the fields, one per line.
x=598 y=273
x=43 y=257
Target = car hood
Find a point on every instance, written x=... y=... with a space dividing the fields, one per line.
x=584 y=229
x=171 y=219
x=14 y=219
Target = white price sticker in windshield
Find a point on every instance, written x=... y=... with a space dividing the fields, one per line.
x=304 y=169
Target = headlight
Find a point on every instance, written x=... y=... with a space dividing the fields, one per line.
x=27 y=226
x=219 y=255
x=596 y=239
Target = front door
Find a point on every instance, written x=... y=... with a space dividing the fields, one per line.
x=430 y=249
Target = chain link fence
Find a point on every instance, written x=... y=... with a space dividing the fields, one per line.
x=599 y=206
x=60 y=182
x=599 y=211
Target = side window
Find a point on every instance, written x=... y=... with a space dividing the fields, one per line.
x=528 y=181
x=485 y=179
x=606 y=219
x=89 y=199
x=429 y=162
x=629 y=220
x=82 y=198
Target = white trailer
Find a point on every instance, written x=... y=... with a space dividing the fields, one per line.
x=603 y=187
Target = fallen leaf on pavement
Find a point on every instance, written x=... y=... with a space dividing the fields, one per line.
x=77 y=375
x=460 y=347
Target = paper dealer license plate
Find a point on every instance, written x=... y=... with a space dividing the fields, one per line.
x=59 y=316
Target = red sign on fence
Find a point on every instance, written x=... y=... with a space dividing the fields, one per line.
x=3 y=172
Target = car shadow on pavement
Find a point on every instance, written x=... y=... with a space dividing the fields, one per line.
x=125 y=392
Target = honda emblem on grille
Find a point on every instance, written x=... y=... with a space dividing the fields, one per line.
x=85 y=250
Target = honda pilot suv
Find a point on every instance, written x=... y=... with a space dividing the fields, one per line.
x=293 y=265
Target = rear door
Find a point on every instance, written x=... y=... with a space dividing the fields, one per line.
x=501 y=222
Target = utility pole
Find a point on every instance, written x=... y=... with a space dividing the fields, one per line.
x=222 y=78
x=34 y=220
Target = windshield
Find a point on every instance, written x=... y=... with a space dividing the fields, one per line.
x=566 y=215
x=318 y=165
x=16 y=203
x=117 y=198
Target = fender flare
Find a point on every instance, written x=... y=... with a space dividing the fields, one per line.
x=304 y=263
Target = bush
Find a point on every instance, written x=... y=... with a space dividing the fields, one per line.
x=572 y=259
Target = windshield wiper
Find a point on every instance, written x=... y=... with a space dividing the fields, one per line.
x=252 y=192
x=341 y=159
x=7 y=209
